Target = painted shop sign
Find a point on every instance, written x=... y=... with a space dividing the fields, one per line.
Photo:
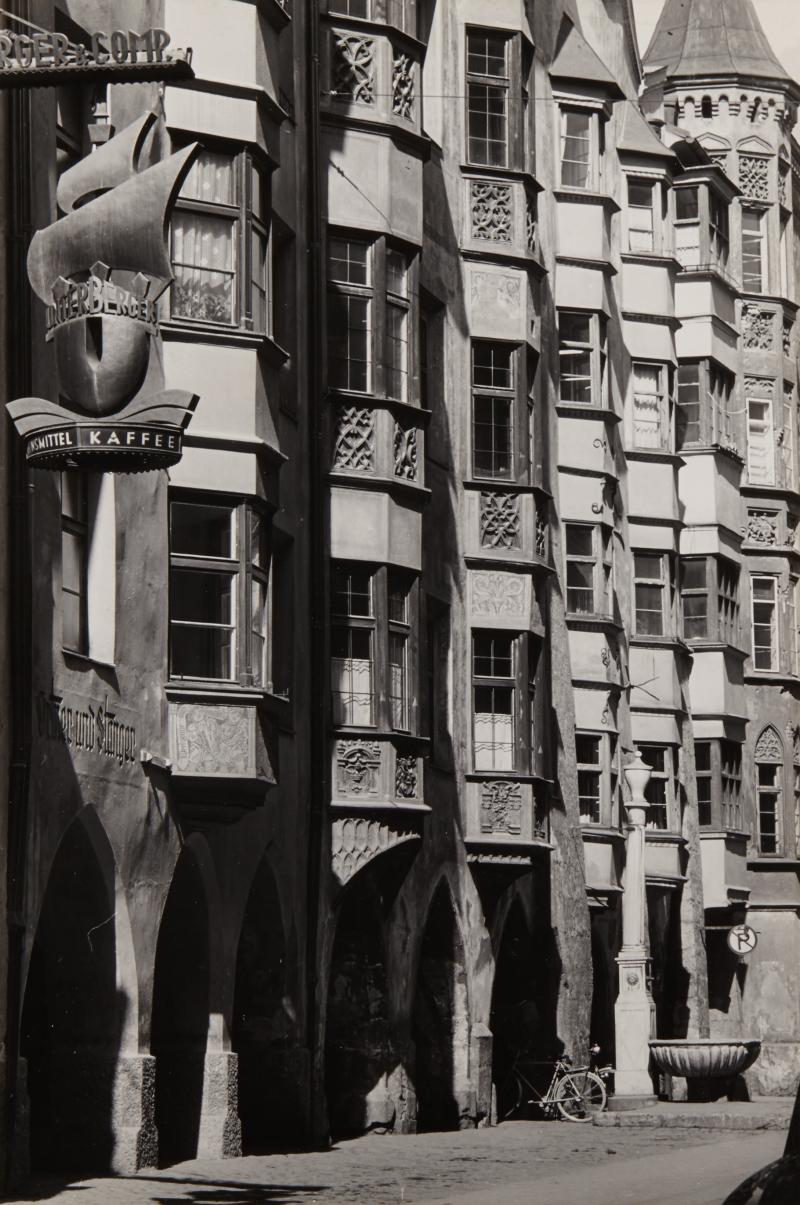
x=92 y=729
x=41 y=57
x=100 y=271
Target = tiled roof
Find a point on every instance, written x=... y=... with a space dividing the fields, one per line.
x=712 y=37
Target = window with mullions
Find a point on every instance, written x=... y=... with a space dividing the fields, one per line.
x=702 y=580
x=652 y=593
x=694 y=599
x=349 y=314
x=494 y=699
x=580 y=148
x=651 y=410
x=702 y=236
x=598 y=776
x=719 y=784
x=703 y=773
x=398 y=587
x=769 y=797
x=718 y=229
x=581 y=357
x=760 y=441
x=220 y=243
x=643 y=197
x=588 y=568
x=74 y=562
x=218 y=590
x=351 y=8
x=766 y=648
x=488 y=87
x=698 y=424
x=397 y=321
x=687 y=226
x=493 y=388
x=753 y=257
x=661 y=791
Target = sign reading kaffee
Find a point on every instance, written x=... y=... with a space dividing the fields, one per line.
x=100 y=272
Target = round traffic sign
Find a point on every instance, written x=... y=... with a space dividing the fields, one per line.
x=742 y=939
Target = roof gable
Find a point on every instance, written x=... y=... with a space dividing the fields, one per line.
x=575 y=59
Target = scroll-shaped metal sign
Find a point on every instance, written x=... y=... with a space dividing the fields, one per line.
x=100 y=271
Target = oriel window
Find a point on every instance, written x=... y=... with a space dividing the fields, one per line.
x=350 y=302
x=494 y=691
x=660 y=791
x=579 y=148
x=652 y=593
x=581 y=357
x=493 y=390
x=488 y=87
x=752 y=250
x=641 y=215
x=765 y=623
x=760 y=442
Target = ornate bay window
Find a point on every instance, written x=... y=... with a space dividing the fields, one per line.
x=704 y=406
x=503 y=674
x=373 y=657
x=218 y=593
x=220 y=242
x=372 y=316
x=702 y=238
x=719 y=784
x=588 y=568
x=598 y=777
x=582 y=357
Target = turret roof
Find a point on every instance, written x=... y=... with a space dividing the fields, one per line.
x=713 y=37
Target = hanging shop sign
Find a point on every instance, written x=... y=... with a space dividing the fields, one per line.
x=100 y=272
x=36 y=58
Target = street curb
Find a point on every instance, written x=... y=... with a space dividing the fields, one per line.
x=694 y=1121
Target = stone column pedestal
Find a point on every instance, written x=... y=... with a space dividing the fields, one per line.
x=634 y=1024
x=220 y=1128
x=133 y=1114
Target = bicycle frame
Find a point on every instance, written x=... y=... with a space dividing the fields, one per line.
x=547 y=1101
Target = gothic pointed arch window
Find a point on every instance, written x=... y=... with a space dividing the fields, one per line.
x=769 y=792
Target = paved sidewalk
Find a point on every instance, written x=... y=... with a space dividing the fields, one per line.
x=765 y=1113
x=533 y=1163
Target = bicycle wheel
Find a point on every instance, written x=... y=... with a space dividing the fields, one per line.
x=512 y=1091
x=579 y=1095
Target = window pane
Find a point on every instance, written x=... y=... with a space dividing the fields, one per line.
x=494 y=728
x=398 y=599
x=694 y=574
x=211 y=179
x=492 y=655
x=576 y=149
x=199 y=652
x=201 y=596
x=351 y=676
x=348 y=342
x=702 y=756
x=587 y=749
x=486 y=119
x=579 y=540
x=351 y=589
x=202 y=255
x=486 y=54
x=396 y=364
x=396 y=273
x=258 y=629
x=74 y=496
x=348 y=261
x=695 y=618
x=686 y=203
x=574 y=327
x=202 y=529
x=580 y=587
x=259 y=281
x=492 y=365
x=492 y=437
x=398 y=690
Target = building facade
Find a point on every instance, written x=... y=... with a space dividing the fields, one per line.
x=319 y=736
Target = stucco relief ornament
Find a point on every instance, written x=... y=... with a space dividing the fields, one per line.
x=768 y=746
x=498 y=594
x=405 y=776
x=403 y=86
x=492 y=211
x=100 y=271
x=354 y=69
x=500 y=520
x=761 y=528
x=357 y=766
x=501 y=807
x=357 y=840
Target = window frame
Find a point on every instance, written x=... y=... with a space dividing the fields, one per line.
x=594 y=175
x=724 y=776
x=521 y=682
x=76 y=527
x=721 y=589
x=246 y=225
x=665 y=583
x=714 y=418
x=663 y=396
x=601 y=560
x=750 y=283
x=247 y=513
x=382 y=627
x=763 y=790
x=668 y=810
x=767 y=434
x=712 y=243
x=509 y=85
x=605 y=804
x=506 y=396
x=596 y=349
x=774 y=624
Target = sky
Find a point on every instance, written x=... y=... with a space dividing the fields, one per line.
x=780 y=19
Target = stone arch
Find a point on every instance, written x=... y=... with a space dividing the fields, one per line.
x=769 y=746
x=180 y=1017
x=263 y=1023
x=440 y=1019
x=74 y=1011
x=518 y=1021
x=359 y=1043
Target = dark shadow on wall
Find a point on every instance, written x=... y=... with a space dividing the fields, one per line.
x=72 y=1015
x=180 y=1013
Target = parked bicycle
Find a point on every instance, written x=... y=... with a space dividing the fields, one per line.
x=574 y=1093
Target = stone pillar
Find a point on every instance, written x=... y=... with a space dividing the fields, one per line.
x=482 y=1072
x=220 y=1128
x=133 y=1114
x=634 y=1011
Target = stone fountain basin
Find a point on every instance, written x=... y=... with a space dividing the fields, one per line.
x=705 y=1058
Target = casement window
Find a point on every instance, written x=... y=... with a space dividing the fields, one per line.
x=488 y=88
x=220 y=243
x=760 y=442
x=598 y=777
x=788 y=442
x=351 y=8
x=687 y=226
x=702 y=580
x=643 y=200
x=582 y=357
x=588 y=568
x=651 y=410
x=698 y=424
x=74 y=561
x=371 y=314
x=719 y=233
x=580 y=148
x=493 y=418
x=766 y=651
x=719 y=784
x=373 y=660
x=503 y=676
x=793 y=636
x=753 y=250
x=769 y=798
x=653 y=587
x=661 y=792
x=218 y=592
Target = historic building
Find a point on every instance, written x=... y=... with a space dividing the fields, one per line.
x=319 y=735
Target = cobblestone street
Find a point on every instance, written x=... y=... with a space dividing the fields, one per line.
x=534 y=1163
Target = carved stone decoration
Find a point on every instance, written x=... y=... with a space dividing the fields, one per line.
x=762 y=527
x=792 y=523
x=500 y=520
x=492 y=212
x=783 y=190
x=403 y=86
x=530 y=223
x=769 y=747
x=758 y=328
x=354 y=68
x=540 y=821
x=358 y=765
x=501 y=807
x=754 y=177
x=759 y=387
x=541 y=530
x=787 y=337
x=405 y=776
x=498 y=594
x=357 y=840
x=355 y=439
x=405 y=452
x=212 y=740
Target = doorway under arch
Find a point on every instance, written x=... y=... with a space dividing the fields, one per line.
x=180 y=1013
